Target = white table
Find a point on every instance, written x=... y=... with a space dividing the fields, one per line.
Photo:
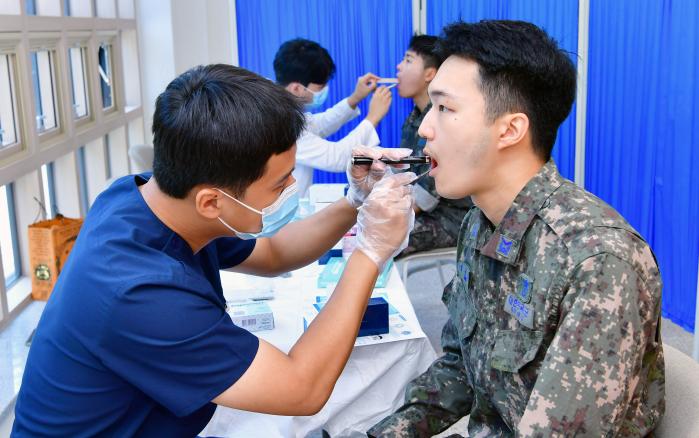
x=371 y=385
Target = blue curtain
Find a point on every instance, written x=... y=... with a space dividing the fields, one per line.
x=361 y=36
x=642 y=122
x=558 y=17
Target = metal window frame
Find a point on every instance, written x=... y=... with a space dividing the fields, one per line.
x=86 y=90
x=17 y=274
x=55 y=92
x=50 y=204
x=108 y=50
x=107 y=157
x=13 y=102
x=82 y=181
x=30 y=7
x=21 y=35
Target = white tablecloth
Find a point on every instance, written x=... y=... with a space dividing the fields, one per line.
x=371 y=385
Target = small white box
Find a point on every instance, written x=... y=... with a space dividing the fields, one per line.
x=325 y=193
x=252 y=316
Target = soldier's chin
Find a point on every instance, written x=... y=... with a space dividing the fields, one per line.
x=449 y=192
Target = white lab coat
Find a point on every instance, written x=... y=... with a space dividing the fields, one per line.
x=314 y=152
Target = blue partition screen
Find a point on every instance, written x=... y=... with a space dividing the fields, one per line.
x=642 y=131
x=361 y=36
x=642 y=111
x=559 y=18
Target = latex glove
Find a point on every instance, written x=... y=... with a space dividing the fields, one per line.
x=365 y=85
x=386 y=219
x=362 y=178
x=379 y=105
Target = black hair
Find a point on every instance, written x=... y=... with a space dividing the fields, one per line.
x=219 y=125
x=424 y=46
x=303 y=61
x=521 y=68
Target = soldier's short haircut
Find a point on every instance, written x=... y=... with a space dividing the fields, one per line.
x=521 y=68
x=424 y=46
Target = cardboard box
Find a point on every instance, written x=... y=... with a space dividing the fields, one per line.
x=50 y=243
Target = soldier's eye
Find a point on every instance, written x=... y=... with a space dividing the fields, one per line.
x=443 y=109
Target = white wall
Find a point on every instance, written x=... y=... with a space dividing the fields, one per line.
x=176 y=35
x=154 y=18
x=190 y=35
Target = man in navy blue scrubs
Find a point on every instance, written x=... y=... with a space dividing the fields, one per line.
x=135 y=340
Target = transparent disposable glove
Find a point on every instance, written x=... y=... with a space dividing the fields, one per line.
x=386 y=218
x=362 y=178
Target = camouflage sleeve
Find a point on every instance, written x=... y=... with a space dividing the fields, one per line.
x=434 y=400
x=591 y=369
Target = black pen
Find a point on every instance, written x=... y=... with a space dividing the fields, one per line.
x=407 y=160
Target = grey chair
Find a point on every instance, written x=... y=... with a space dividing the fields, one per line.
x=681 y=395
x=681 y=418
x=436 y=258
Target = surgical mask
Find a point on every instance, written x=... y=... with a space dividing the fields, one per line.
x=274 y=216
x=319 y=98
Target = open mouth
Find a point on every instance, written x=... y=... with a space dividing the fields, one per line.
x=433 y=163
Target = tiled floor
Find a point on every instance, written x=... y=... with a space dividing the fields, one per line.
x=14 y=352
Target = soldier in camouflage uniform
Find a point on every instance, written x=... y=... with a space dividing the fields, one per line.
x=437 y=220
x=554 y=312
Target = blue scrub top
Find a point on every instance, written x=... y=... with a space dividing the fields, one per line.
x=135 y=339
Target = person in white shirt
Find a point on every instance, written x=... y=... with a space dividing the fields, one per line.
x=304 y=68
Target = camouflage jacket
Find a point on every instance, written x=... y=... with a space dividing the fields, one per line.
x=553 y=325
x=449 y=211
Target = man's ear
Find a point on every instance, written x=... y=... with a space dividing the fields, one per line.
x=296 y=89
x=207 y=202
x=429 y=74
x=512 y=128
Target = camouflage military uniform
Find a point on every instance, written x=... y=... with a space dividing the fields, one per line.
x=437 y=226
x=553 y=325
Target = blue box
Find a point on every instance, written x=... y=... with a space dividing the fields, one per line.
x=333 y=253
x=374 y=321
x=336 y=265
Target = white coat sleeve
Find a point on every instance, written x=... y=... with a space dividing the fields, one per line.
x=316 y=152
x=329 y=121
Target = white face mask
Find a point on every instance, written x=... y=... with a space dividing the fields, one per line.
x=274 y=217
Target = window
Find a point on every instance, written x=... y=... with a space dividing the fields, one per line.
x=49 y=190
x=9 y=134
x=78 y=8
x=82 y=181
x=105 y=8
x=31 y=7
x=8 y=236
x=43 y=7
x=105 y=70
x=10 y=7
x=44 y=83
x=61 y=86
x=126 y=9
x=107 y=157
x=76 y=62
